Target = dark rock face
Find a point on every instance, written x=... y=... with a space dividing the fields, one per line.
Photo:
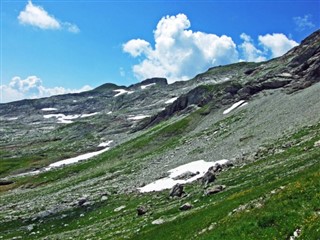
x=141 y=210
x=5 y=182
x=176 y=191
x=305 y=63
x=208 y=177
x=198 y=96
x=215 y=189
x=216 y=168
x=185 y=207
x=82 y=201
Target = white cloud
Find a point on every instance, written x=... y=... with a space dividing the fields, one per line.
x=71 y=27
x=277 y=43
x=136 y=47
x=249 y=52
x=38 y=17
x=303 y=23
x=32 y=87
x=179 y=53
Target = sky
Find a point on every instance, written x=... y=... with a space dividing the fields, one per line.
x=56 y=47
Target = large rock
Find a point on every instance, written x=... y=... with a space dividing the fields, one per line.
x=5 y=182
x=215 y=189
x=208 y=177
x=185 y=207
x=83 y=202
x=141 y=210
x=176 y=191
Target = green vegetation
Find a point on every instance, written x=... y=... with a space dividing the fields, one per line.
x=268 y=198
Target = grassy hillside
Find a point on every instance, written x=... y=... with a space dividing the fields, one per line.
x=268 y=198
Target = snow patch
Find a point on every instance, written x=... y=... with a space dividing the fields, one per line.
x=68 y=118
x=76 y=159
x=48 y=109
x=63 y=162
x=109 y=112
x=148 y=86
x=88 y=114
x=200 y=166
x=171 y=100
x=286 y=75
x=138 y=117
x=105 y=144
x=121 y=92
x=234 y=106
x=12 y=119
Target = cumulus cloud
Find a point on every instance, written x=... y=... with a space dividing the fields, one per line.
x=136 y=47
x=179 y=53
x=38 y=17
x=249 y=52
x=277 y=43
x=303 y=23
x=32 y=87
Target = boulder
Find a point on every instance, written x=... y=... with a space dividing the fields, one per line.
x=216 y=168
x=82 y=201
x=141 y=210
x=158 y=221
x=104 y=198
x=176 y=191
x=208 y=177
x=185 y=207
x=5 y=182
x=215 y=189
x=317 y=144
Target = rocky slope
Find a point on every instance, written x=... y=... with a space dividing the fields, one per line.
x=262 y=117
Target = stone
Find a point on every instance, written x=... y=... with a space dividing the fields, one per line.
x=104 y=198
x=215 y=189
x=30 y=227
x=158 y=221
x=141 y=210
x=82 y=201
x=185 y=207
x=5 y=182
x=216 y=168
x=208 y=177
x=317 y=144
x=118 y=209
x=176 y=191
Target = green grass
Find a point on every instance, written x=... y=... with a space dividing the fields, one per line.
x=293 y=175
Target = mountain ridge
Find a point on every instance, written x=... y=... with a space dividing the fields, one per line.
x=262 y=117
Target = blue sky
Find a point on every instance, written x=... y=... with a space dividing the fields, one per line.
x=54 y=47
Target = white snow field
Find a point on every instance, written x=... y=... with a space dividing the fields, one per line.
x=199 y=166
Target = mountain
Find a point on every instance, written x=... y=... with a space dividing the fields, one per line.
x=100 y=164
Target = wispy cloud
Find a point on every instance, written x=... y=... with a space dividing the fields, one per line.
x=32 y=87
x=303 y=23
x=38 y=17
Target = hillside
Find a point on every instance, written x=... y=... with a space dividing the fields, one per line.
x=260 y=120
